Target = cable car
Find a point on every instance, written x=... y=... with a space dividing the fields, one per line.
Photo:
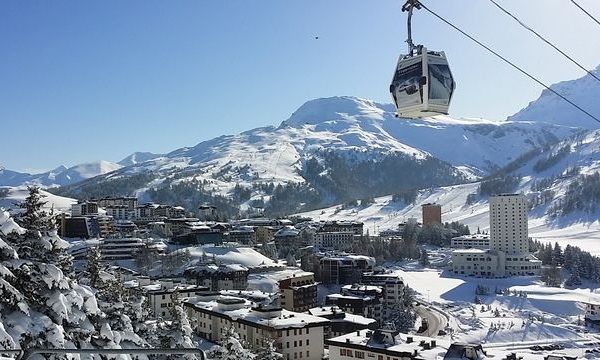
x=422 y=85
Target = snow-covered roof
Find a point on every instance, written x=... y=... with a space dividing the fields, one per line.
x=369 y=340
x=347 y=317
x=239 y=309
x=470 y=251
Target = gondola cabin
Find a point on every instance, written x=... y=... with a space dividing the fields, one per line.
x=422 y=85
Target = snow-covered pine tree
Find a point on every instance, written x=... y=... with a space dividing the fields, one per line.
x=400 y=314
x=231 y=348
x=176 y=332
x=574 y=279
x=116 y=327
x=268 y=351
x=52 y=310
x=424 y=259
x=94 y=257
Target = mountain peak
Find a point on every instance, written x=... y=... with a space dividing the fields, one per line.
x=550 y=108
x=335 y=108
x=138 y=157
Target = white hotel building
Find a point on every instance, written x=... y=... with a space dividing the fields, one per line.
x=508 y=253
x=296 y=335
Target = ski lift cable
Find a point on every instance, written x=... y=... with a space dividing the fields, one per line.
x=524 y=72
x=586 y=12
x=544 y=39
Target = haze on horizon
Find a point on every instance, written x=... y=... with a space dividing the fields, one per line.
x=100 y=80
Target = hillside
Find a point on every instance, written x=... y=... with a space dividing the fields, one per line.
x=561 y=183
x=550 y=108
x=329 y=150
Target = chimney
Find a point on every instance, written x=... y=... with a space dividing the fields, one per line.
x=347 y=341
x=357 y=332
x=433 y=343
x=409 y=339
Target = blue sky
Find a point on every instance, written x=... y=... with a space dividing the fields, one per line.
x=90 y=80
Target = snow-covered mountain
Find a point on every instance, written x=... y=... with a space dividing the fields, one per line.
x=138 y=157
x=308 y=149
x=59 y=176
x=549 y=108
x=561 y=182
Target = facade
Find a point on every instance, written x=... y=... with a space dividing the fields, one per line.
x=346 y=269
x=432 y=214
x=475 y=241
x=592 y=314
x=84 y=208
x=120 y=212
x=341 y=322
x=222 y=277
x=74 y=227
x=298 y=292
x=508 y=223
x=120 y=248
x=365 y=302
x=508 y=253
x=392 y=286
x=207 y=212
x=130 y=202
x=383 y=345
x=161 y=295
x=244 y=235
x=339 y=240
x=296 y=335
x=355 y=227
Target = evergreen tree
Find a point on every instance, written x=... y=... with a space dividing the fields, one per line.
x=231 y=348
x=574 y=279
x=50 y=307
x=94 y=266
x=401 y=314
x=177 y=331
x=424 y=259
x=557 y=255
x=268 y=351
x=551 y=276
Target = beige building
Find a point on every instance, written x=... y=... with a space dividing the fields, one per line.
x=296 y=335
x=384 y=345
x=508 y=253
x=476 y=241
x=508 y=223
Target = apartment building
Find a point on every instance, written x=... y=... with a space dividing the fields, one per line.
x=161 y=294
x=219 y=277
x=363 y=300
x=344 y=269
x=383 y=345
x=83 y=208
x=296 y=335
x=341 y=322
x=339 y=240
x=475 y=241
x=431 y=213
x=508 y=254
x=298 y=292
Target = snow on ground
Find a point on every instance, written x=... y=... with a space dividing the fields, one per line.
x=18 y=194
x=544 y=314
x=386 y=214
x=244 y=256
x=269 y=281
